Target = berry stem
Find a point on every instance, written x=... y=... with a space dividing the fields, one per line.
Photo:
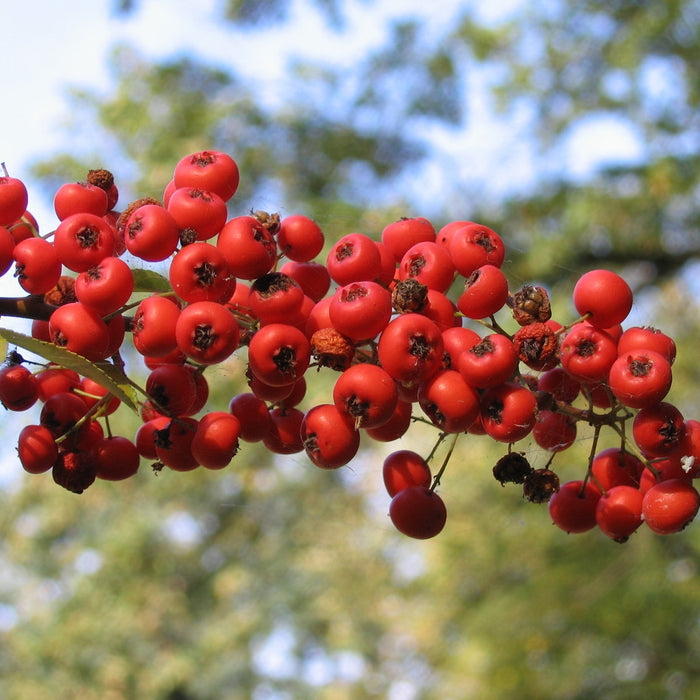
x=94 y=410
x=630 y=447
x=569 y=326
x=437 y=444
x=438 y=476
x=591 y=455
x=108 y=427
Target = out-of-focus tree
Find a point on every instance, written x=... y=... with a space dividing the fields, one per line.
x=551 y=74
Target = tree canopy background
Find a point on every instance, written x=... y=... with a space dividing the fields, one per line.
x=273 y=579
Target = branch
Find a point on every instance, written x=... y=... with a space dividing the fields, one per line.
x=33 y=307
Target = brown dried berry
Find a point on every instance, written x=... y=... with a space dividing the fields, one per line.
x=332 y=349
x=62 y=293
x=539 y=485
x=269 y=221
x=188 y=236
x=102 y=178
x=537 y=346
x=74 y=471
x=409 y=296
x=512 y=468
x=131 y=208
x=530 y=304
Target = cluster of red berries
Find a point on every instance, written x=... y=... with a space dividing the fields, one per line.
x=392 y=328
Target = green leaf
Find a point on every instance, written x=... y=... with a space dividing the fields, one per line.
x=150 y=281
x=104 y=373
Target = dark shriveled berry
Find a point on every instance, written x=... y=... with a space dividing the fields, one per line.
x=512 y=468
x=409 y=296
x=539 y=485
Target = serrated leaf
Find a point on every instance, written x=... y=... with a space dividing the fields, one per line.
x=104 y=373
x=150 y=281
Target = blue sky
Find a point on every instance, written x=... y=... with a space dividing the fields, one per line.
x=54 y=45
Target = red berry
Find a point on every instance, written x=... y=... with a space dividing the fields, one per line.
x=573 y=507
x=215 y=441
x=604 y=297
x=284 y=436
x=429 y=263
x=83 y=241
x=249 y=248
x=79 y=198
x=116 y=458
x=404 y=468
x=80 y=329
x=173 y=444
x=275 y=298
x=612 y=467
x=105 y=287
x=37 y=449
x=329 y=436
x=199 y=272
x=299 y=238
x=449 y=401
x=485 y=292
x=151 y=233
x=508 y=412
x=396 y=426
x=354 y=258
x=37 y=267
x=411 y=348
x=13 y=200
x=75 y=470
x=207 y=332
x=488 y=362
x=619 y=512
x=360 y=310
x=253 y=416
x=154 y=326
x=418 y=512
x=658 y=429
x=172 y=389
x=670 y=506
x=646 y=338
x=554 y=431
x=197 y=210
x=472 y=246
x=641 y=379
x=367 y=394
x=587 y=353
x=208 y=170
x=401 y=235
x=279 y=354
x=19 y=388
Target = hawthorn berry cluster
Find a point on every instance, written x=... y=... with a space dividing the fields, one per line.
x=392 y=328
